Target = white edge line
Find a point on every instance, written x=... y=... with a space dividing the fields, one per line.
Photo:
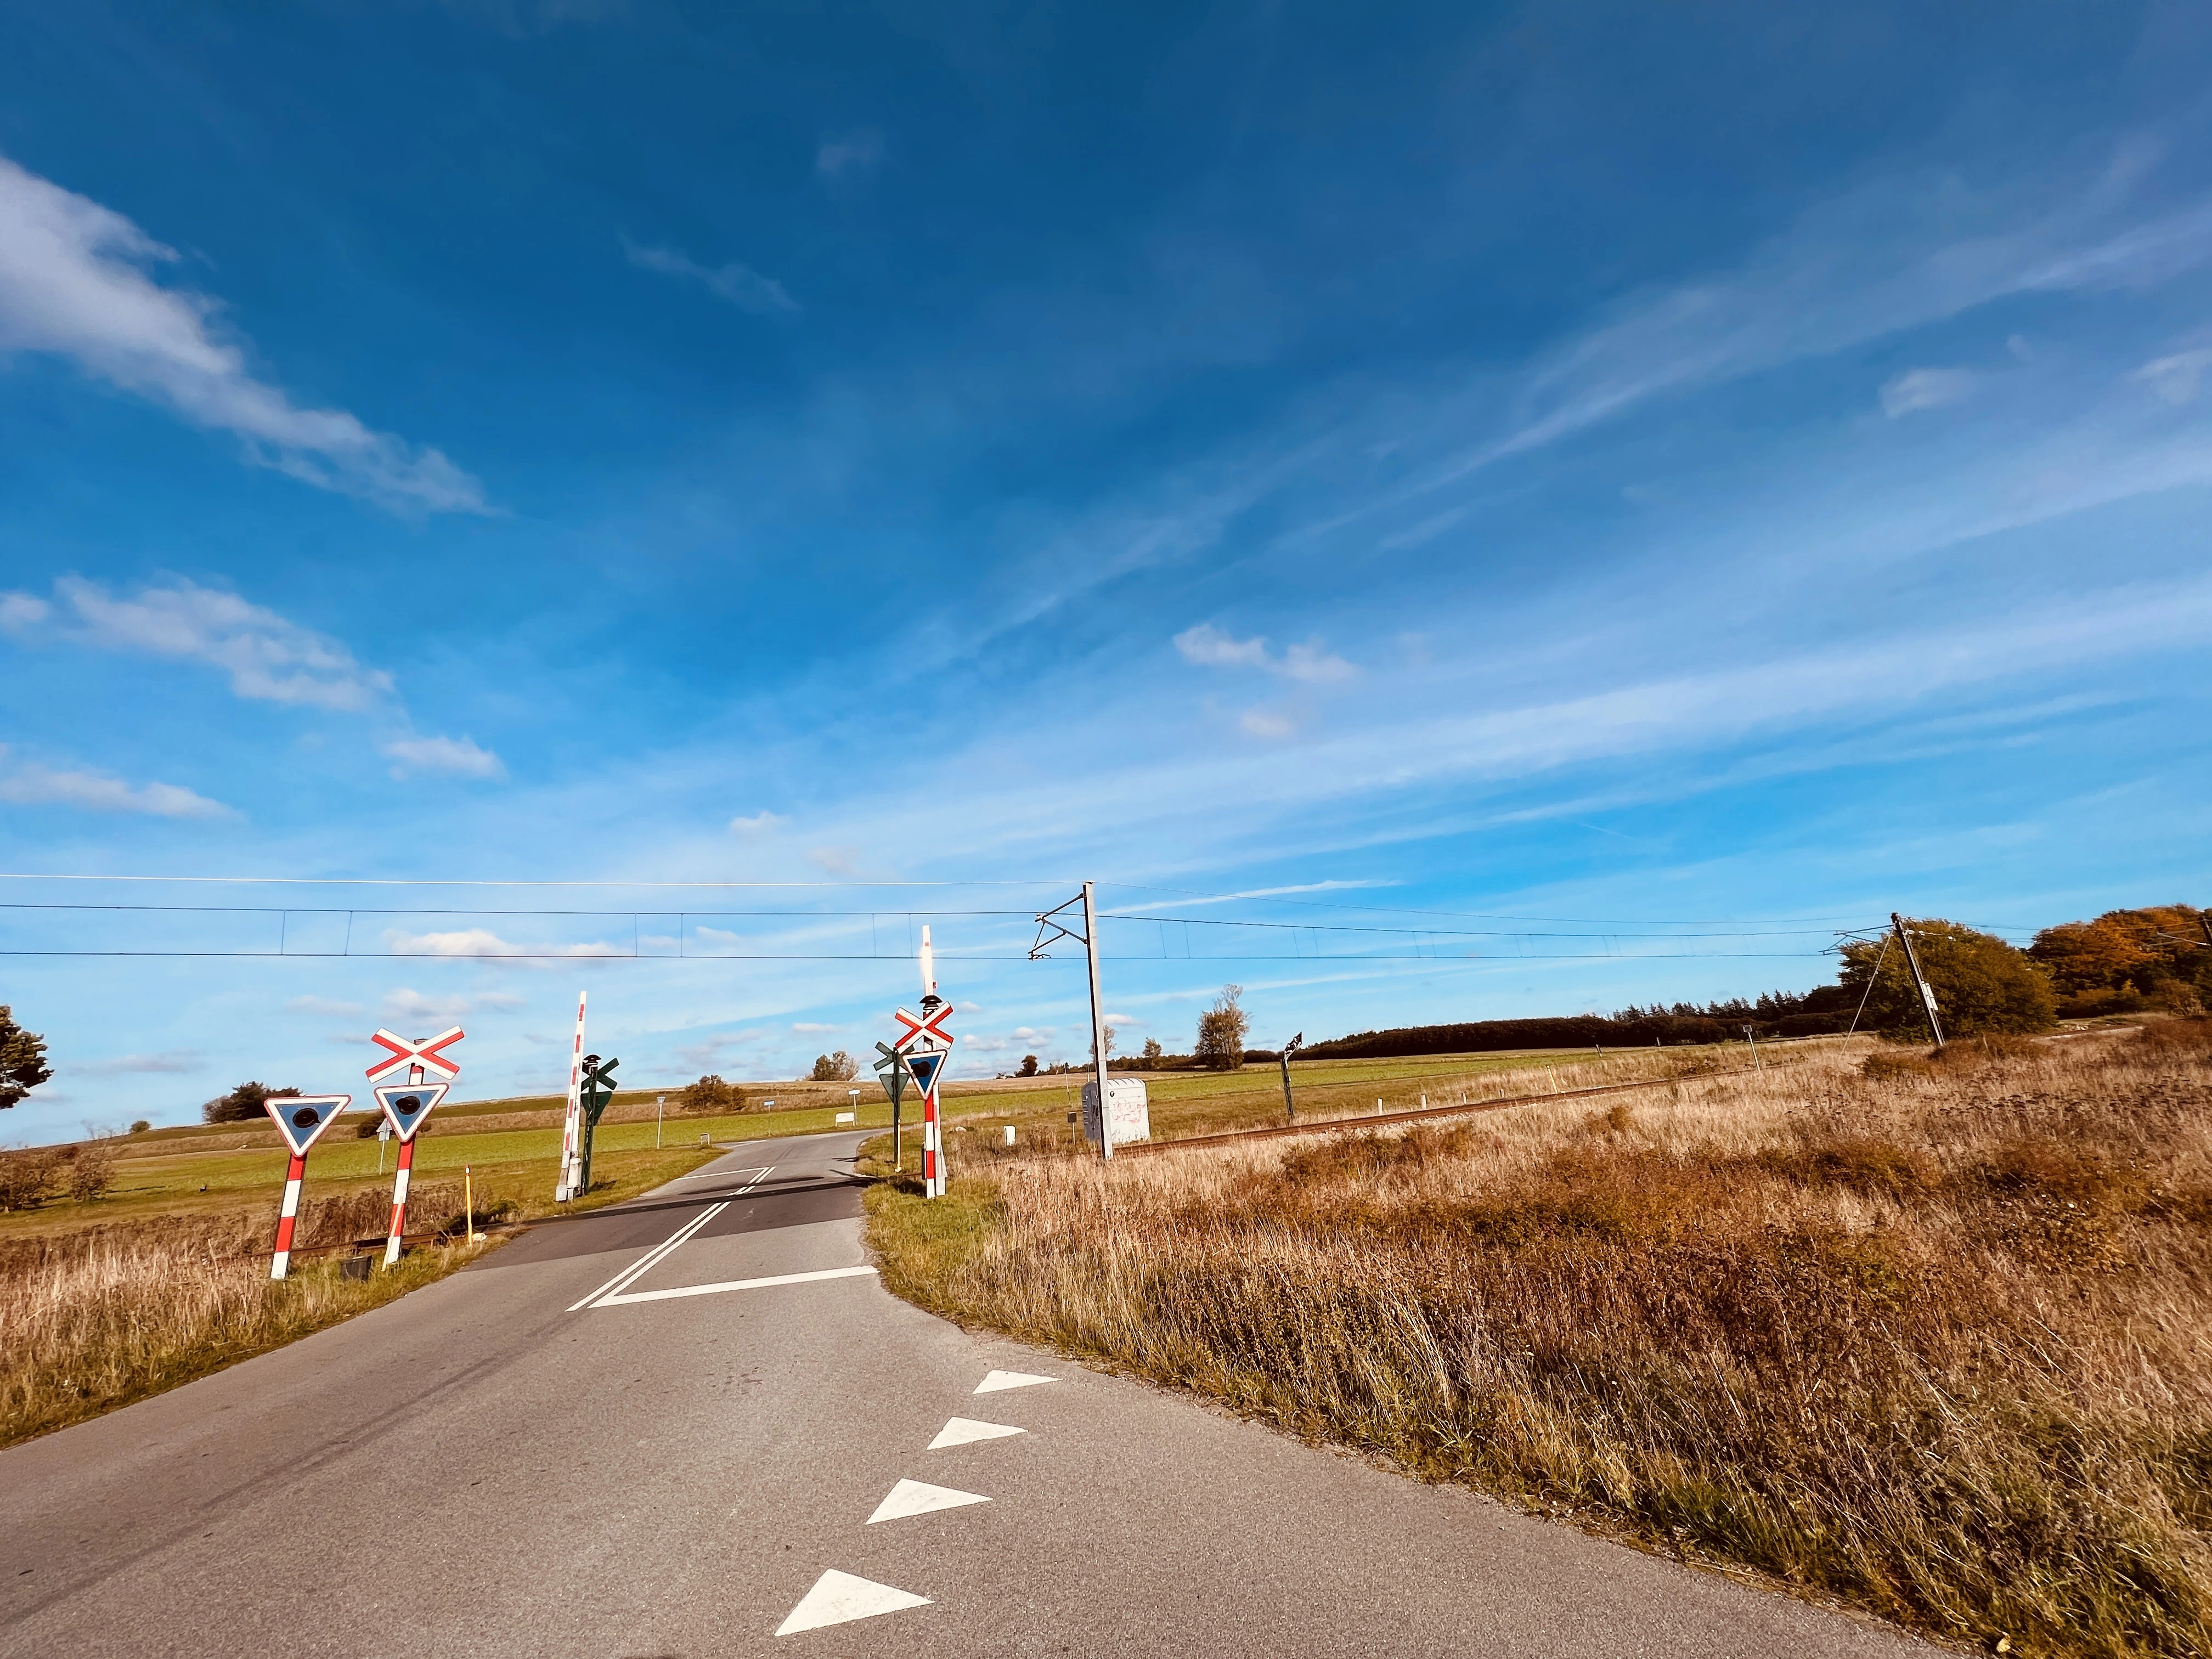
x=732 y=1284
x=650 y=1256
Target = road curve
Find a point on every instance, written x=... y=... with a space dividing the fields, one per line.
x=663 y=1428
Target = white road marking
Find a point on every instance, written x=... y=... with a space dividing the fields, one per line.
x=655 y=1255
x=731 y=1285
x=838 y=1598
x=999 y=1381
x=959 y=1430
x=919 y=1497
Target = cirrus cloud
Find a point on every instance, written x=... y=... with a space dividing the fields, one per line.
x=75 y=282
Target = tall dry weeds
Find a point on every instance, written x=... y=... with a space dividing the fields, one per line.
x=95 y=1319
x=1938 y=1341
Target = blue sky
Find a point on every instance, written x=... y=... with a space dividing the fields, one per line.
x=1610 y=493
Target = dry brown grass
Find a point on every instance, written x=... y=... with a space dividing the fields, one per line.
x=97 y=1318
x=1937 y=1340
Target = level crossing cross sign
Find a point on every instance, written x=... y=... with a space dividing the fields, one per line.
x=426 y=1052
x=926 y=1030
x=302 y=1119
x=406 y=1104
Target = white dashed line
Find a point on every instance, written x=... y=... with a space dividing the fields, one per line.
x=838 y=1598
x=919 y=1497
x=960 y=1431
x=998 y=1382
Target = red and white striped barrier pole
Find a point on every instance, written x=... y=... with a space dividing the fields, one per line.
x=572 y=1123
x=288 y=1217
x=399 y=1203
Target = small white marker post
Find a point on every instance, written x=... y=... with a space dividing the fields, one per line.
x=659 y=1102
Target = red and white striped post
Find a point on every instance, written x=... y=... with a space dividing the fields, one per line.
x=400 y=1202
x=572 y=1123
x=406 y=1108
x=287 y=1217
x=926 y=1039
x=301 y=1118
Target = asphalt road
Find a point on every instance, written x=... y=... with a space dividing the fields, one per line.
x=597 y=1442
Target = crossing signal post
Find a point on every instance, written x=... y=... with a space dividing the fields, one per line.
x=595 y=1088
x=891 y=1072
x=406 y=1105
x=301 y=1118
x=924 y=1046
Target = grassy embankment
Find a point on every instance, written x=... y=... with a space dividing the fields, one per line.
x=1936 y=1339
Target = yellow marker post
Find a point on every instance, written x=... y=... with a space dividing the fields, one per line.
x=469 y=1199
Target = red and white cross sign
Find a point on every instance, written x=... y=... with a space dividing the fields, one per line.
x=924 y=1030
x=426 y=1052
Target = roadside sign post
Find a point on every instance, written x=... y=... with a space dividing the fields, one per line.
x=383 y=1135
x=891 y=1072
x=572 y=1126
x=595 y=1088
x=301 y=1118
x=406 y=1107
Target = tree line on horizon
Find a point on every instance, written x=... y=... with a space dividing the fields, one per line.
x=2157 y=959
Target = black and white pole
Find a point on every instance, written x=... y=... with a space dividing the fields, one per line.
x=1919 y=980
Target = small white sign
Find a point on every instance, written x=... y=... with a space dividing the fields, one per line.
x=845 y=1117
x=1132 y=1117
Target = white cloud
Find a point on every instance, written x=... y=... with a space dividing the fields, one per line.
x=742 y=286
x=483 y=942
x=856 y=152
x=810 y=1028
x=1310 y=663
x=1927 y=388
x=459 y=755
x=404 y=1004
x=1856 y=269
x=97 y=792
x=760 y=823
x=1210 y=648
x=175 y=1062
x=835 y=861
x=75 y=282
x=268 y=658
x=2177 y=378
x=1263 y=723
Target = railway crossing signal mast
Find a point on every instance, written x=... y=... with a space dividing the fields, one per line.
x=923 y=1047
x=1051 y=929
x=1919 y=980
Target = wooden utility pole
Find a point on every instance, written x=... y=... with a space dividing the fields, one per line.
x=1290 y=1109
x=1919 y=980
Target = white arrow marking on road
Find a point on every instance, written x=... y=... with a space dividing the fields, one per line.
x=919 y=1497
x=838 y=1598
x=998 y=1380
x=959 y=1430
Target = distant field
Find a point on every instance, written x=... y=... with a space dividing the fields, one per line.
x=512 y=1145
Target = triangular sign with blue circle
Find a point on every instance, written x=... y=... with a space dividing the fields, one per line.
x=406 y=1104
x=925 y=1063
x=302 y=1119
